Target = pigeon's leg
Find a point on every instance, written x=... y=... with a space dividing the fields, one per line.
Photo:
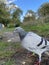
x=38 y=62
x=39 y=59
x=30 y=54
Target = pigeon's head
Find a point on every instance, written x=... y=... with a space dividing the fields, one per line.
x=22 y=33
x=18 y=30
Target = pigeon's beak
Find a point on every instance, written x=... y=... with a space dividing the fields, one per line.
x=15 y=32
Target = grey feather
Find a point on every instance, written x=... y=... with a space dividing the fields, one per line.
x=22 y=33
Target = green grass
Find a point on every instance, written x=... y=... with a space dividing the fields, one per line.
x=6 y=30
x=7 y=49
x=10 y=62
x=39 y=29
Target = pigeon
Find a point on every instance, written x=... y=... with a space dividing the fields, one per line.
x=32 y=42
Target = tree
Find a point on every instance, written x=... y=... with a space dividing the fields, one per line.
x=10 y=14
x=43 y=10
x=30 y=16
x=3 y=1
x=16 y=15
x=4 y=15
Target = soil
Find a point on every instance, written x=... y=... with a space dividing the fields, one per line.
x=24 y=57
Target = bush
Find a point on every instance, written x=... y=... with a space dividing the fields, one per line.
x=10 y=25
x=46 y=19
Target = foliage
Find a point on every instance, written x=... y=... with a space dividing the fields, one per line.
x=7 y=17
x=46 y=19
x=43 y=10
x=40 y=29
x=30 y=16
x=17 y=15
x=14 y=18
x=4 y=15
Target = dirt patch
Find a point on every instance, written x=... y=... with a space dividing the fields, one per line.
x=24 y=57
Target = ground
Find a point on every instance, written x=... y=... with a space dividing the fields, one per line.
x=22 y=57
x=13 y=54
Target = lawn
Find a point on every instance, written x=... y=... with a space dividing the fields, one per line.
x=39 y=29
x=6 y=51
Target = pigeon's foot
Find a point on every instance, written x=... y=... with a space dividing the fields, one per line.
x=37 y=63
x=31 y=54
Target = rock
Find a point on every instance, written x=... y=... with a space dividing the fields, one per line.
x=10 y=37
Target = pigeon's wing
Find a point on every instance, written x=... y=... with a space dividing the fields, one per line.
x=31 y=40
x=34 y=38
